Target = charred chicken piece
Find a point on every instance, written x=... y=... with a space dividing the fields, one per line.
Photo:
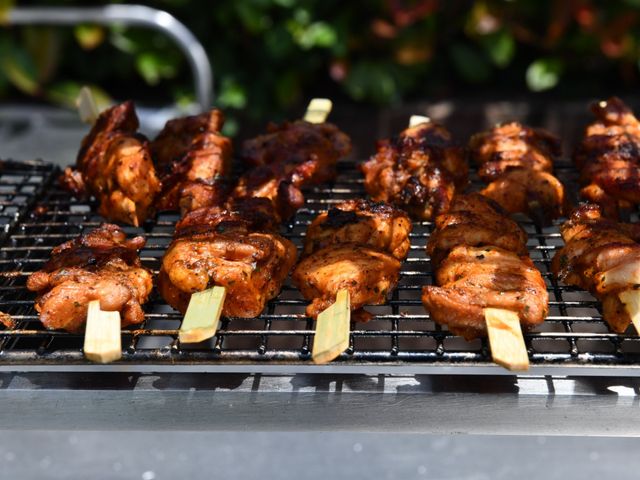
x=609 y=158
x=100 y=265
x=234 y=247
x=602 y=256
x=475 y=221
x=420 y=171
x=367 y=273
x=299 y=142
x=470 y=279
x=286 y=159
x=518 y=162
x=192 y=156
x=378 y=225
x=358 y=245
x=114 y=165
x=480 y=258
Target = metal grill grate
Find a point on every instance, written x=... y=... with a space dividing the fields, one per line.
x=37 y=216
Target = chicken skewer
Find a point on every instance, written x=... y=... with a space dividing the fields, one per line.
x=485 y=281
x=517 y=163
x=197 y=326
x=602 y=256
x=609 y=158
x=100 y=266
x=352 y=258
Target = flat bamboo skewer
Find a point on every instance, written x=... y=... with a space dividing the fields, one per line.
x=505 y=338
x=102 y=341
x=332 y=329
x=631 y=301
x=417 y=120
x=202 y=317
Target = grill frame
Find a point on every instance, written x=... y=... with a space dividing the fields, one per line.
x=400 y=340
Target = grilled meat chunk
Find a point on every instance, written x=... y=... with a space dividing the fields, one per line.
x=419 y=171
x=298 y=143
x=357 y=245
x=100 y=265
x=475 y=221
x=609 y=157
x=377 y=225
x=602 y=256
x=480 y=259
x=470 y=279
x=518 y=162
x=288 y=158
x=192 y=156
x=114 y=165
x=367 y=273
x=233 y=247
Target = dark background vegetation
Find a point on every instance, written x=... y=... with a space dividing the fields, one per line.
x=269 y=56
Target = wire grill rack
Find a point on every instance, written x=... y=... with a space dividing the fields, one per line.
x=36 y=216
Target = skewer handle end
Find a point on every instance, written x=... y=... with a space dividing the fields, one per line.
x=332 y=330
x=505 y=338
x=203 y=315
x=102 y=341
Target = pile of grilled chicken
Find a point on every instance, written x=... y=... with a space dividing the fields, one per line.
x=358 y=245
x=609 y=158
x=480 y=260
x=517 y=163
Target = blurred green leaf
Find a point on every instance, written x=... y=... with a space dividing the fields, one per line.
x=470 y=63
x=318 y=34
x=371 y=81
x=43 y=47
x=66 y=93
x=19 y=68
x=89 y=36
x=544 y=74
x=500 y=46
x=232 y=94
x=154 y=67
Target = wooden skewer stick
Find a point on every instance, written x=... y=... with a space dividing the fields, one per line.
x=332 y=330
x=102 y=342
x=203 y=315
x=87 y=107
x=417 y=120
x=318 y=110
x=505 y=338
x=631 y=301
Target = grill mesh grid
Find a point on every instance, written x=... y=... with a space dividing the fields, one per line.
x=37 y=216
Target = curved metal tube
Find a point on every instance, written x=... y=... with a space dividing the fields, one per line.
x=138 y=15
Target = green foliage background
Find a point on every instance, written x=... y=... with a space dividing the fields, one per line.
x=271 y=54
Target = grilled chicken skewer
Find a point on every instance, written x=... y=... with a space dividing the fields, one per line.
x=481 y=262
x=192 y=158
x=419 y=171
x=517 y=163
x=101 y=265
x=114 y=164
x=609 y=158
x=287 y=158
x=602 y=256
x=356 y=247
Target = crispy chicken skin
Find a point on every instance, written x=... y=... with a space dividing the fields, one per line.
x=475 y=221
x=358 y=245
x=480 y=259
x=378 y=225
x=100 y=265
x=114 y=165
x=192 y=156
x=367 y=273
x=234 y=247
x=287 y=158
x=517 y=161
x=470 y=279
x=297 y=143
x=420 y=171
x=609 y=158
x=602 y=256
